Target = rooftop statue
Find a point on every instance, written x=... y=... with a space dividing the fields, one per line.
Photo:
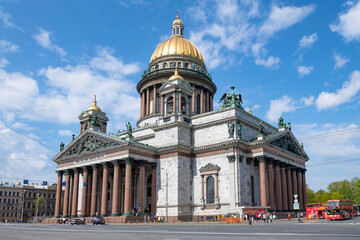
x=261 y=128
x=129 y=129
x=231 y=99
x=281 y=123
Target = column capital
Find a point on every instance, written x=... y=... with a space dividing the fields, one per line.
x=153 y=165
x=231 y=158
x=248 y=160
x=85 y=169
x=282 y=164
x=142 y=163
x=129 y=160
x=116 y=163
x=67 y=172
x=240 y=158
x=269 y=160
x=59 y=173
x=298 y=170
x=261 y=158
x=95 y=167
x=105 y=165
x=276 y=162
x=76 y=170
x=303 y=170
x=289 y=166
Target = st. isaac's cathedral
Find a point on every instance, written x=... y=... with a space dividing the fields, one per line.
x=184 y=160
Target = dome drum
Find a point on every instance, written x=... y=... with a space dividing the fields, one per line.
x=162 y=75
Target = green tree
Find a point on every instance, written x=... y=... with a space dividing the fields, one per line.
x=42 y=203
x=322 y=196
x=336 y=196
x=310 y=195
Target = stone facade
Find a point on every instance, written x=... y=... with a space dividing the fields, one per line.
x=184 y=160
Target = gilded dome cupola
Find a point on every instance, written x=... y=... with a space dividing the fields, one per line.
x=176 y=83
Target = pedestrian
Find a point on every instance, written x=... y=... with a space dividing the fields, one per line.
x=289 y=217
x=274 y=218
x=301 y=215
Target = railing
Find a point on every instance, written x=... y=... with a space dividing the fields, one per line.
x=172 y=69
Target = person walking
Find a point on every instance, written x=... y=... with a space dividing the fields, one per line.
x=289 y=217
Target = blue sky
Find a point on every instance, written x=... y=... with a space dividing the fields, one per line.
x=296 y=59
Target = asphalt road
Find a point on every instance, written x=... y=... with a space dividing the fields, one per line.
x=349 y=229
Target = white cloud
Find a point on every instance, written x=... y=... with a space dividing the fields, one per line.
x=271 y=62
x=16 y=89
x=6 y=19
x=324 y=149
x=33 y=155
x=3 y=62
x=348 y=24
x=304 y=70
x=70 y=90
x=234 y=26
x=65 y=133
x=340 y=61
x=307 y=101
x=279 y=106
x=308 y=41
x=281 y=18
x=345 y=94
x=43 y=39
x=6 y=46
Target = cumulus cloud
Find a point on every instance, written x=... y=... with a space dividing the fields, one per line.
x=334 y=143
x=33 y=155
x=348 y=23
x=308 y=41
x=279 y=106
x=271 y=62
x=6 y=46
x=345 y=94
x=234 y=26
x=43 y=39
x=71 y=89
x=340 y=61
x=286 y=104
x=281 y=18
x=304 y=70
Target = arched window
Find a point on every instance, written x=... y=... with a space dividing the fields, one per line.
x=169 y=105
x=210 y=190
x=177 y=30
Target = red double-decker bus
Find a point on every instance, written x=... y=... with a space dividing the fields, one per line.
x=317 y=210
x=340 y=209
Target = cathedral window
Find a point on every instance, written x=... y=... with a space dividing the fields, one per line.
x=210 y=190
x=179 y=65
x=169 y=105
x=177 y=30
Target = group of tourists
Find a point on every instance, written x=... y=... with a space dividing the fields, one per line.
x=266 y=217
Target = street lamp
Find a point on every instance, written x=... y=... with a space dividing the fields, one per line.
x=167 y=197
x=37 y=207
x=22 y=206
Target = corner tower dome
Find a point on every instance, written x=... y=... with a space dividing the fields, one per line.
x=177 y=44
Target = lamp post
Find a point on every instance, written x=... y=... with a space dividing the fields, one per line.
x=22 y=206
x=37 y=207
x=167 y=197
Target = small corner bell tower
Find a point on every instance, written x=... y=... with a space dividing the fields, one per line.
x=93 y=119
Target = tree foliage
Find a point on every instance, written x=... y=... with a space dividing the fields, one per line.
x=349 y=190
x=42 y=203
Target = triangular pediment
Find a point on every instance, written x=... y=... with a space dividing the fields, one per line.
x=177 y=83
x=89 y=142
x=288 y=142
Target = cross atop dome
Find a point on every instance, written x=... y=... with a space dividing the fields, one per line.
x=177 y=27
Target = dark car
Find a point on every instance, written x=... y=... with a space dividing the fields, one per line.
x=77 y=221
x=98 y=220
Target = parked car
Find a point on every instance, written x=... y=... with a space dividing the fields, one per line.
x=77 y=221
x=98 y=220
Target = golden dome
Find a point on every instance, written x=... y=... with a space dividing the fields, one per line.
x=176 y=76
x=177 y=45
x=177 y=20
x=94 y=107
